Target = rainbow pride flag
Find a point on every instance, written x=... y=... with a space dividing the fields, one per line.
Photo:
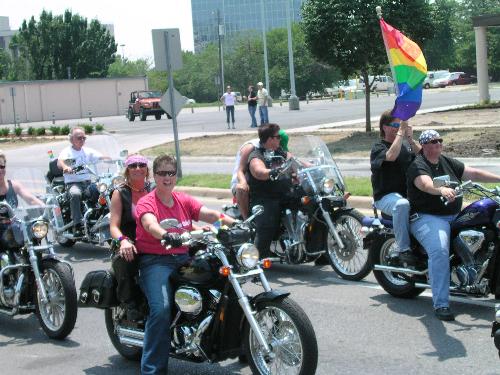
x=409 y=70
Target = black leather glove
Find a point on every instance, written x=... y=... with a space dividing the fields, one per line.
x=172 y=239
x=274 y=174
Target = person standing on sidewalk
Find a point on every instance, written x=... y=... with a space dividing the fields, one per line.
x=262 y=98
x=252 y=105
x=390 y=158
x=229 y=99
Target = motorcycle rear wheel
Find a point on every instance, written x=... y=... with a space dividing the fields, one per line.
x=290 y=335
x=58 y=315
x=132 y=353
x=392 y=284
x=352 y=262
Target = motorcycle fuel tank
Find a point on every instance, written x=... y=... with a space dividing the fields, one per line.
x=477 y=213
x=200 y=270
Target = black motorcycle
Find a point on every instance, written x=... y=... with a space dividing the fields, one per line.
x=33 y=279
x=316 y=222
x=214 y=318
x=475 y=241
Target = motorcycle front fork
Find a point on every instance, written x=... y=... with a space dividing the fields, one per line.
x=331 y=227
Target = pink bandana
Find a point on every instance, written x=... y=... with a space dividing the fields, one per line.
x=132 y=159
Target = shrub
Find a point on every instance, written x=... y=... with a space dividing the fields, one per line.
x=40 y=131
x=55 y=130
x=31 y=130
x=99 y=128
x=89 y=129
x=18 y=131
x=65 y=130
x=4 y=132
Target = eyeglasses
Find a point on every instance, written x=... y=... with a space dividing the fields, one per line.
x=166 y=173
x=276 y=136
x=437 y=140
x=2 y=166
x=82 y=138
x=394 y=124
x=137 y=165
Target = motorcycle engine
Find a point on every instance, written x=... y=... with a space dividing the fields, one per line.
x=9 y=279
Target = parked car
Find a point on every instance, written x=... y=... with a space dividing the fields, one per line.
x=238 y=96
x=143 y=104
x=432 y=75
x=381 y=83
x=461 y=78
x=441 y=79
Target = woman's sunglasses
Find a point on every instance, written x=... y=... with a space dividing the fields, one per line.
x=437 y=140
x=394 y=124
x=137 y=165
x=2 y=166
x=166 y=173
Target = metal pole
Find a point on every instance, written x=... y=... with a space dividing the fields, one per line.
x=221 y=62
x=172 y=105
x=264 y=41
x=293 y=101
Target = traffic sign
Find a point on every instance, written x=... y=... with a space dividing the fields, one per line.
x=179 y=102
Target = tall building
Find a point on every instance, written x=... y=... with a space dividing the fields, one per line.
x=237 y=17
x=6 y=34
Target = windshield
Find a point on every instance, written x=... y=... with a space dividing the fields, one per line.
x=108 y=146
x=150 y=94
x=317 y=163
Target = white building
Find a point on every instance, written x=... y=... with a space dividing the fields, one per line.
x=6 y=33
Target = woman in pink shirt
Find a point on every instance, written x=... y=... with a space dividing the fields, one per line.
x=156 y=263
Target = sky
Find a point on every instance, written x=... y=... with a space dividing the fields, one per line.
x=133 y=20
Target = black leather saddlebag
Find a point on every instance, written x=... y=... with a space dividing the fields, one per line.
x=98 y=290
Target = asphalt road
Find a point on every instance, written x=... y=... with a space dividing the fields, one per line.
x=359 y=328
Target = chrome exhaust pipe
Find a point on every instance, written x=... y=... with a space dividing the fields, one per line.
x=8 y=312
x=130 y=341
x=131 y=333
x=379 y=267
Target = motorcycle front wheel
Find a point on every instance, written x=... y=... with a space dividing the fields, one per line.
x=57 y=315
x=352 y=262
x=290 y=336
x=392 y=284
x=111 y=316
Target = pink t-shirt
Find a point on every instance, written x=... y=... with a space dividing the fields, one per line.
x=186 y=209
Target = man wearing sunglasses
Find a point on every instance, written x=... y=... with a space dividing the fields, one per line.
x=73 y=156
x=433 y=217
x=389 y=159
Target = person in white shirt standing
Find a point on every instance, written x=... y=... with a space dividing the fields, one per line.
x=71 y=157
x=262 y=97
x=229 y=98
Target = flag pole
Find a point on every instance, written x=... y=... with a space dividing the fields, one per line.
x=378 y=9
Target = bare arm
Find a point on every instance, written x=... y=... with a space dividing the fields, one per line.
x=63 y=166
x=258 y=169
x=27 y=196
x=151 y=225
x=242 y=168
x=211 y=216
x=479 y=175
x=424 y=183
x=393 y=152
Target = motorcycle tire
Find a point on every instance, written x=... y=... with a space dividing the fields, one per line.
x=132 y=353
x=353 y=262
x=58 y=316
x=392 y=284
x=289 y=333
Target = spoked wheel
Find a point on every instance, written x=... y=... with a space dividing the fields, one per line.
x=352 y=262
x=112 y=317
x=290 y=336
x=392 y=283
x=57 y=315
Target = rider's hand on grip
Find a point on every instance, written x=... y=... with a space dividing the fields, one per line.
x=274 y=174
x=172 y=240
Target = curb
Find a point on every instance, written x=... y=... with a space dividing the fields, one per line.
x=364 y=203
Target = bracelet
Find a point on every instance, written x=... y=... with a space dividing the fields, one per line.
x=118 y=240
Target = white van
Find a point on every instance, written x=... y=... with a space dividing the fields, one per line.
x=432 y=75
x=381 y=83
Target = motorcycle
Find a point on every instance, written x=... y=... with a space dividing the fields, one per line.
x=96 y=199
x=316 y=223
x=495 y=329
x=33 y=279
x=214 y=318
x=474 y=244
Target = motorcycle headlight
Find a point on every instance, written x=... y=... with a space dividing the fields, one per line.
x=328 y=185
x=118 y=180
x=248 y=255
x=102 y=187
x=39 y=229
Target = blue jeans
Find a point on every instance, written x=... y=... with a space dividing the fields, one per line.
x=433 y=233
x=154 y=273
x=264 y=118
x=230 y=112
x=398 y=207
x=252 y=109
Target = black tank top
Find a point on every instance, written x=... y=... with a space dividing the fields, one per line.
x=10 y=196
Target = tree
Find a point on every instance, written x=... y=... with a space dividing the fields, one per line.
x=129 y=68
x=346 y=33
x=5 y=63
x=57 y=45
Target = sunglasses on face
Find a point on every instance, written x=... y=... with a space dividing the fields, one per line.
x=394 y=124
x=434 y=141
x=137 y=165
x=82 y=138
x=166 y=173
x=2 y=166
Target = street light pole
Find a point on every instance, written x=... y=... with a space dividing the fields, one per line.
x=220 y=33
x=264 y=42
x=293 y=101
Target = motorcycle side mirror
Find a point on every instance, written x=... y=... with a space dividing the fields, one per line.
x=169 y=223
x=123 y=153
x=440 y=181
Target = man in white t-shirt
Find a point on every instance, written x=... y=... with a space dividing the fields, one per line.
x=71 y=157
x=262 y=98
x=229 y=98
